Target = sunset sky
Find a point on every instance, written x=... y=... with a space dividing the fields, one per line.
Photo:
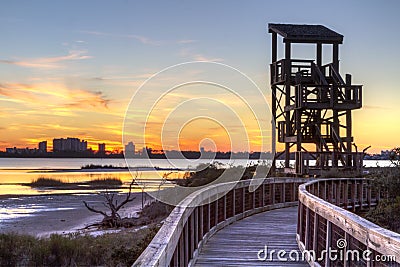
x=70 y=68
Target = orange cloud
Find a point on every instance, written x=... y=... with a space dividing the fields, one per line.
x=54 y=96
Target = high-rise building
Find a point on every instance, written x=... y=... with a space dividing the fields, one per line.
x=130 y=150
x=69 y=145
x=58 y=145
x=83 y=145
x=102 y=148
x=42 y=147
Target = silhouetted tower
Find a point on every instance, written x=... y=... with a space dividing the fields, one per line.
x=311 y=103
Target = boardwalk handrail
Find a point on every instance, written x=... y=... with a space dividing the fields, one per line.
x=325 y=221
x=196 y=219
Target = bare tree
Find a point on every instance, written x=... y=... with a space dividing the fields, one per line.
x=112 y=218
x=163 y=182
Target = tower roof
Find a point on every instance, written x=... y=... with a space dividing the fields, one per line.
x=296 y=33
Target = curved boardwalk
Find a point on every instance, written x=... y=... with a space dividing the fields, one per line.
x=239 y=243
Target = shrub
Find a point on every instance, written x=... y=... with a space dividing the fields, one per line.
x=386 y=214
x=118 y=249
x=207 y=173
x=386 y=179
x=108 y=181
x=47 y=182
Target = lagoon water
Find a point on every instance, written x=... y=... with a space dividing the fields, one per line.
x=16 y=171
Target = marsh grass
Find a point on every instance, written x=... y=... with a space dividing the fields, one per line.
x=117 y=249
x=47 y=182
x=58 y=183
x=108 y=181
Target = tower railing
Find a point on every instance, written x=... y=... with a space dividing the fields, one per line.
x=344 y=97
x=325 y=160
x=329 y=234
x=278 y=73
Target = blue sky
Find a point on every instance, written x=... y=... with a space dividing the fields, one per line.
x=101 y=51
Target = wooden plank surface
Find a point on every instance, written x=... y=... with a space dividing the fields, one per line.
x=239 y=243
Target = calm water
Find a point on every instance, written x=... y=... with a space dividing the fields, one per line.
x=13 y=171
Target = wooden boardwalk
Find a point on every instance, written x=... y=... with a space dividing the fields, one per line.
x=239 y=243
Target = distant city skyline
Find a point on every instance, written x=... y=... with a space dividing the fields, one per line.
x=70 y=68
x=130 y=149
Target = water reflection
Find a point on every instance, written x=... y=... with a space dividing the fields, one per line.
x=10 y=213
x=11 y=182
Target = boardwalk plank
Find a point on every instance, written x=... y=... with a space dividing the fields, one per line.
x=239 y=243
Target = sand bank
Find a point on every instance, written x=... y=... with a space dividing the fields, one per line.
x=46 y=214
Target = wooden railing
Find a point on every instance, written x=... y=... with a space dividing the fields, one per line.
x=205 y=211
x=278 y=69
x=326 y=224
x=342 y=97
x=325 y=160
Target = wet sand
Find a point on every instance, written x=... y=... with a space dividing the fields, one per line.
x=46 y=214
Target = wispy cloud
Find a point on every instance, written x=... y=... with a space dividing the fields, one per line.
x=199 y=57
x=48 y=62
x=186 y=41
x=140 y=38
x=54 y=96
x=188 y=53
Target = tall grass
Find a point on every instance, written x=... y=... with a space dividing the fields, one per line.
x=108 y=181
x=47 y=182
x=120 y=249
x=54 y=182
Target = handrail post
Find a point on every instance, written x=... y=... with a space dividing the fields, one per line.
x=328 y=241
x=361 y=193
x=209 y=217
x=216 y=211
x=243 y=200
x=181 y=254
x=224 y=209
x=254 y=200
x=192 y=235
x=346 y=237
x=186 y=243
x=353 y=194
x=272 y=187
x=234 y=202
x=307 y=229
x=196 y=228
x=338 y=191
x=346 y=195
x=369 y=194
x=201 y=234
x=300 y=222
x=263 y=195
x=315 y=234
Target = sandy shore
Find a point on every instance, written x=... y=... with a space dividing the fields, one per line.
x=46 y=214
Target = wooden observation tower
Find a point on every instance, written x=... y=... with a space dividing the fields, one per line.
x=312 y=103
